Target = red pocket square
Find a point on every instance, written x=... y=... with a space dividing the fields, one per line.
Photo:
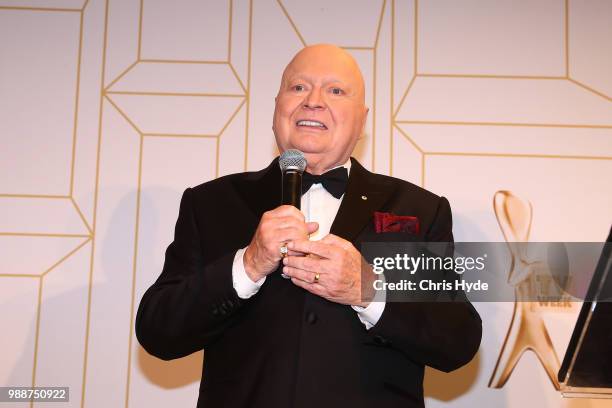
x=389 y=222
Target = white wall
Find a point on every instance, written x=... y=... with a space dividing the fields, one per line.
x=109 y=109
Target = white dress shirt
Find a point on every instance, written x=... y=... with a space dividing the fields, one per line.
x=320 y=206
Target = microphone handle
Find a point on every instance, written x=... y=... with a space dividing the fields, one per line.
x=292 y=188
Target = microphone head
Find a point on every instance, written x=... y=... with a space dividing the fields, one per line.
x=292 y=159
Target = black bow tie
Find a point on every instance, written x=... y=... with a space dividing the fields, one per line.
x=334 y=181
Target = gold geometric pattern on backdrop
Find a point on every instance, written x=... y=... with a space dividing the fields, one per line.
x=505 y=105
x=175 y=99
x=201 y=92
x=44 y=232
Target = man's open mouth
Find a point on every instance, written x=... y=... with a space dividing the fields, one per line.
x=311 y=124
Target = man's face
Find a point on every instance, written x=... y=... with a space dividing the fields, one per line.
x=320 y=107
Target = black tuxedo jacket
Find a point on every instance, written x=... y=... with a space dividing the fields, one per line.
x=285 y=347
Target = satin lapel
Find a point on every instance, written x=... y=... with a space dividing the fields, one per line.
x=363 y=196
x=261 y=190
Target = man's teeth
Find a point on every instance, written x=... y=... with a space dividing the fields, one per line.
x=311 y=123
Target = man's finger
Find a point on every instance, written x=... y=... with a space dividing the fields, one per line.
x=312 y=227
x=314 y=288
x=336 y=240
x=312 y=247
x=290 y=233
x=305 y=276
x=306 y=263
x=287 y=211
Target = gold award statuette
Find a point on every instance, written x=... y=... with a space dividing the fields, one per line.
x=527 y=330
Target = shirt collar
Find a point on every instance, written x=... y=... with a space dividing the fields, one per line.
x=346 y=165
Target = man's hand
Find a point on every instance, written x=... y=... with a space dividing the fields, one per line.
x=276 y=227
x=339 y=266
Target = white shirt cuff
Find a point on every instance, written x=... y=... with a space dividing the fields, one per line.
x=243 y=285
x=370 y=315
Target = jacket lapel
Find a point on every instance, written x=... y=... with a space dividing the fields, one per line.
x=261 y=190
x=365 y=193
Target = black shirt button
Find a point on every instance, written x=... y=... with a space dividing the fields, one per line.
x=311 y=318
x=380 y=340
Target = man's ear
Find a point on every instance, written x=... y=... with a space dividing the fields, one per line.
x=365 y=119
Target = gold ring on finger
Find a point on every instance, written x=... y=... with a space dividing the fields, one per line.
x=316 y=277
x=284 y=250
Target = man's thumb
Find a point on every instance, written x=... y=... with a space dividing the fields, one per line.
x=312 y=227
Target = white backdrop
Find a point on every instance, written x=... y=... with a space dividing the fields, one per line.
x=109 y=109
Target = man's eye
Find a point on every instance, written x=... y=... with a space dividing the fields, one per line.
x=337 y=91
x=298 y=88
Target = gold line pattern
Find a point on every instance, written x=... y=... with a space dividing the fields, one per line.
x=68 y=255
x=173 y=135
x=217 y=143
x=36 y=335
x=78 y=210
x=580 y=84
x=76 y=103
x=142 y=136
x=423 y=166
x=16 y=275
x=551 y=125
x=231 y=118
x=223 y=95
x=566 y=39
x=134 y=268
x=42 y=234
x=105 y=93
x=416 y=37
x=373 y=108
x=248 y=91
x=61 y=10
x=395 y=110
x=520 y=155
x=297 y=32
x=237 y=77
x=405 y=94
x=46 y=271
x=356 y=48
x=391 y=88
x=95 y=206
x=41 y=196
x=128 y=120
x=122 y=74
x=489 y=76
x=229 y=35
x=140 y=12
x=374 y=63
x=412 y=142
x=174 y=61
x=380 y=19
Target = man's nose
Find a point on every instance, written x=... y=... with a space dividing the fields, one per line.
x=314 y=99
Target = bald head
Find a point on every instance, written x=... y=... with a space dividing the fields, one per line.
x=320 y=106
x=330 y=58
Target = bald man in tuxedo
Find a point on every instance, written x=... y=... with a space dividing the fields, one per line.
x=319 y=335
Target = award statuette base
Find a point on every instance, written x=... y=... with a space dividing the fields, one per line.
x=586 y=371
x=586 y=392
